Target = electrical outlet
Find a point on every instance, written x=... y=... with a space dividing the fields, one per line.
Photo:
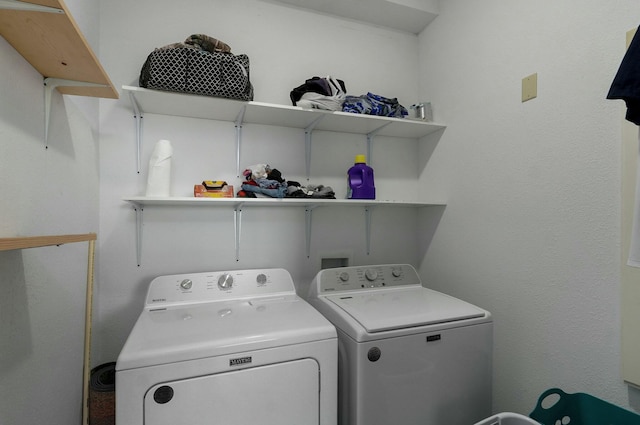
x=530 y=87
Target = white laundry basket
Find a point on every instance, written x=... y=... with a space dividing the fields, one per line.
x=508 y=418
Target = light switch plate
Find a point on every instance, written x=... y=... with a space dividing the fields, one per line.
x=530 y=87
x=630 y=35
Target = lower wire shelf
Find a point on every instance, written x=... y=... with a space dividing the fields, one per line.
x=238 y=204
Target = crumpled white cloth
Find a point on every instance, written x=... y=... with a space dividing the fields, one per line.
x=334 y=102
x=257 y=171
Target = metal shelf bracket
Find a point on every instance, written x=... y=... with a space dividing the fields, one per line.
x=308 y=211
x=238 y=123
x=370 y=137
x=50 y=84
x=237 y=224
x=137 y=116
x=308 y=132
x=367 y=217
x=138 y=209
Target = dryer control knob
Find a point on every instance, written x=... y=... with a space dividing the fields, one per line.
x=371 y=275
x=344 y=276
x=261 y=279
x=186 y=284
x=225 y=281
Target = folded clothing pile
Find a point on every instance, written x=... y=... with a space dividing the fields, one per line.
x=330 y=94
x=374 y=104
x=319 y=93
x=263 y=181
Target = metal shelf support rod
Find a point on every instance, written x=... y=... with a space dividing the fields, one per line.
x=137 y=115
x=308 y=131
x=238 y=123
x=138 y=209
x=237 y=224
x=370 y=137
x=367 y=216
x=50 y=84
x=308 y=211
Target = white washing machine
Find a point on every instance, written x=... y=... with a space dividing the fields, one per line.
x=236 y=347
x=408 y=355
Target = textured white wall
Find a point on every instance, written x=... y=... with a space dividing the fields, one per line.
x=285 y=46
x=44 y=192
x=531 y=227
x=531 y=230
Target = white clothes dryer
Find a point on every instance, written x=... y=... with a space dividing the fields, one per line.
x=235 y=347
x=408 y=355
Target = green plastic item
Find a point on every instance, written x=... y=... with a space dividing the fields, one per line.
x=580 y=409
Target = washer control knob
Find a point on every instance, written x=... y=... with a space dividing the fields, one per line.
x=371 y=275
x=261 y=279
x=344 y=276
x=396 y=273
x=186 y=284
x=225 y=281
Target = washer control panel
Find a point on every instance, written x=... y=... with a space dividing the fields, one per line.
x=364 y=277
x=218 y=286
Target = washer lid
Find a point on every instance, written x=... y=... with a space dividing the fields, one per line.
x=388 y=309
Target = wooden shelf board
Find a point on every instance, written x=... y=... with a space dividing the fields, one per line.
x=54 y=45
x=8 y=244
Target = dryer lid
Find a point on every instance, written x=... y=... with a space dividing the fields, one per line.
x=399 y=308
x=190 y=332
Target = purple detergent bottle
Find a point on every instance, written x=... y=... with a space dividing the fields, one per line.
x=360 y=179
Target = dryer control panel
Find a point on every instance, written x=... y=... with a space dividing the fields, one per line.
x=364 y=277
x=195 y=288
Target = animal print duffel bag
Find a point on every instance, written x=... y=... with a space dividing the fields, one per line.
x=201 y=65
